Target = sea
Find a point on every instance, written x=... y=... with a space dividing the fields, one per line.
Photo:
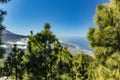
x=80 y=42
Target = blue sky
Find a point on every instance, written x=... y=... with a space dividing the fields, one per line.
x=67 y=17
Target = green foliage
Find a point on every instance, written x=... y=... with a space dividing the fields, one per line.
x=80 y=66
x=107 y=34
x=40 y=58
x=109 y=71
x=105 y=40
x=13 y=65
x=64 y=64
x=2 y=51
x=46 y=59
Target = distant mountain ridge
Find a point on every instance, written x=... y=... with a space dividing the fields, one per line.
x=6 y=32
x=8 y=36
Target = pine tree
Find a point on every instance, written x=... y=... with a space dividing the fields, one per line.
x=105 y=40
x=46 y=59
x=40 y=57
x=2 y=51
x=13 y=65
x=2 y=13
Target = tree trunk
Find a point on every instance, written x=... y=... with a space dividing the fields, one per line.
x=118 y=41
x=51 y=70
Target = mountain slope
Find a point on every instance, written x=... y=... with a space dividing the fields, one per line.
x=9 y=36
